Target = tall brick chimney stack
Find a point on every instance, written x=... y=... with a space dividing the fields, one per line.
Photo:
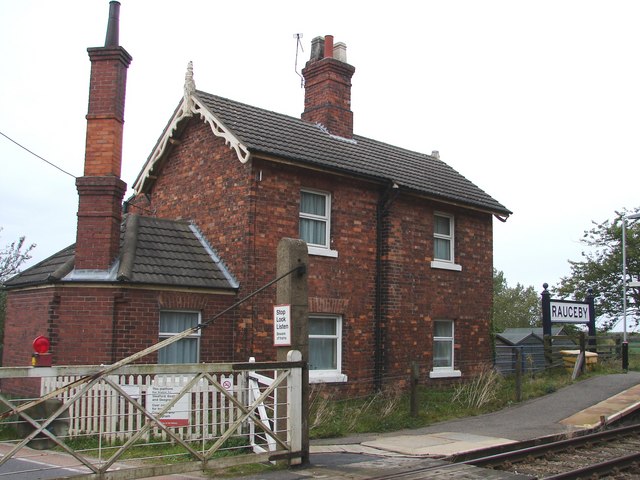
x=327 y=76
x=101 y=190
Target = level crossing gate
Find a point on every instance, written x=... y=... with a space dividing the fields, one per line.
x=138 y=421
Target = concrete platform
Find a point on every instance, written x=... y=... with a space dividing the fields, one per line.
x=434 y=445
x=437 y=444
x=607 y=411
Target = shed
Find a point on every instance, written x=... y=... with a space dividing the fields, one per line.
x=531 y=344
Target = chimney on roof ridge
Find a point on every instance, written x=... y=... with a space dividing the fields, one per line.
x=113 y=26
x=327 y=75
x=101 y=190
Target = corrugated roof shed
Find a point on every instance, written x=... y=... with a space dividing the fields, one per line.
x=515 y=336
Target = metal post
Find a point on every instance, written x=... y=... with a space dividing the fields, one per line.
x=583 y=351
x=593 y=344
x=546 y=324
x=625 y=344
x=518 y=371
x=546 y=310
x=624 y=281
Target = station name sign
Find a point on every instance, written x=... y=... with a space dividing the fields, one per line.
x=563 y=311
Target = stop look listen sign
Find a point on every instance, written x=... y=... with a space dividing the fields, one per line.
x=282 y=326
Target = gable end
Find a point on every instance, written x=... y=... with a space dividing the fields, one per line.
x=189 y=106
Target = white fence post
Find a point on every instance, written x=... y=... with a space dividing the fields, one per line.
x=294 y=404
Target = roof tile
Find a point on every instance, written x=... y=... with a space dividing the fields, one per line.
x=271 y=133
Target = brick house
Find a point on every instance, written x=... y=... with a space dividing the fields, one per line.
x=400 y=244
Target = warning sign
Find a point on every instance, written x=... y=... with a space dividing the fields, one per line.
x=178 y=414
x=282 y=325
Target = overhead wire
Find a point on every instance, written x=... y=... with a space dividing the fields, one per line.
x=36 y=155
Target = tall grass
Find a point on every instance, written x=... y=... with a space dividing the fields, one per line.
x=480 y=391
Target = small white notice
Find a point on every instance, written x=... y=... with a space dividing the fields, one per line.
x=178 y=414
x=282 y=326
x=227 y=383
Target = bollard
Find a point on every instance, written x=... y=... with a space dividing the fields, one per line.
x=518 y=371
x=625 y=356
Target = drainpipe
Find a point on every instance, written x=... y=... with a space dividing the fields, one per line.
x=384 y=203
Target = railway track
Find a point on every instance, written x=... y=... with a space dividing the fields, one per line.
x=614 y=453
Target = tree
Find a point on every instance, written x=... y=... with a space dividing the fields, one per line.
x=13 y=255
x=601 y=268
x=11 y=258
x=514 y=307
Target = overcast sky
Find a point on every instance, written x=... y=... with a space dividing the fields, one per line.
x=536 y=102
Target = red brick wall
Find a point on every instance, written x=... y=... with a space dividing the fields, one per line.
x=27 y=317
x=418 y=294
x=245 y=209
x=99 y=219
x=138 y=318
x=343 y=285
x=90 y=325
x=203 y=181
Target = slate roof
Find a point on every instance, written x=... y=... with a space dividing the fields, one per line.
x=153 y=251
x=45 y=271
x=267 y=132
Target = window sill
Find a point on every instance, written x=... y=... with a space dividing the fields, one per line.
x=322 y=252
x=446 y=265
x=445 y=373
x=326 y=377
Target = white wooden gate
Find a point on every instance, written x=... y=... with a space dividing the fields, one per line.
x=122 y=424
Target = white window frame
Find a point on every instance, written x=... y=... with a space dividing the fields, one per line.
x=448 y=371
x=332 y=375
x=440 y=262
x=317 y=249
x=164 y=335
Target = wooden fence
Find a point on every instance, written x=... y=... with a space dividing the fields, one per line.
x=203 y=412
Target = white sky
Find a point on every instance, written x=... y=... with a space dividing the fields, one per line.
x=536 y=102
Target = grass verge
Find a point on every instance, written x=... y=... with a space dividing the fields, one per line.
x=388 y=410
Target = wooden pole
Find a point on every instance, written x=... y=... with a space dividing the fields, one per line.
x=415 y=375
x=292 y=291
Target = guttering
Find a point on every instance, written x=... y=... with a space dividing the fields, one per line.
x=384 y=204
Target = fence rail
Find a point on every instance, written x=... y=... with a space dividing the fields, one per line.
x=121 y=424
x=533 y=358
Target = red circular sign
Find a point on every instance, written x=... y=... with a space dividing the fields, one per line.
x=41 y=344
